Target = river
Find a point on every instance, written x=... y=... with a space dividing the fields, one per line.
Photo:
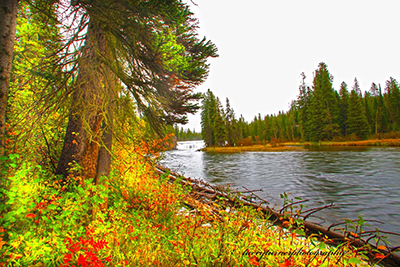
x=359 y=181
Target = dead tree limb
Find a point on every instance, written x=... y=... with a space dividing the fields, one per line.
x=235 y=200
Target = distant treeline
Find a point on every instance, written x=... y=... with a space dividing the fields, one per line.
x=184 y=134
x=319 y=113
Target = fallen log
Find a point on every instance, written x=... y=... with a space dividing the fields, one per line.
x=204 y=192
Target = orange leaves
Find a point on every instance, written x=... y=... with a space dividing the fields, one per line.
x=285 y=224
x=30 y=215
x=2 y=243
x=354 y=234
x=380 y=256
x=382 y=247
x=253 y=260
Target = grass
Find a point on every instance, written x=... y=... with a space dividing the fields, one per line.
x=263 y=148
x=296 y=146
x=138 y=218
x=371 y=142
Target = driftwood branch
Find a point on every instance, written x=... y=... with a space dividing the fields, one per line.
x=201 y=189
x=291 y=204
x=314 y=210
x=340 y=223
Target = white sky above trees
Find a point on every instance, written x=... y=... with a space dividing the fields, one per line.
x=264 y=46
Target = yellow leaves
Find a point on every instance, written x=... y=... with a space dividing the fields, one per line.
x=16 y=243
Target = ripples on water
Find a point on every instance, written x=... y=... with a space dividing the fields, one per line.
x=359 y=181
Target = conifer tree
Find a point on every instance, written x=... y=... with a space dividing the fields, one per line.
x=303 y=105
x=292 y=129
x=393 y=103
x=207 y=130
x=384 y=125
x=150 y=47
x=343 y=107
x=377 y=110
x=369 y=110
x=243 y=128
x=219 y=124
x=324 y=108
x=231 y=125
x=357 y=120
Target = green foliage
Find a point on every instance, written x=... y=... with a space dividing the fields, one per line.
x=32 y=118
x=212 y=121
x=184 y=135
x=323 y=110
x=357 y=121
x=393 y=102
x=145 y=222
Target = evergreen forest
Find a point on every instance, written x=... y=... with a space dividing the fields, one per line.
x=320 y=113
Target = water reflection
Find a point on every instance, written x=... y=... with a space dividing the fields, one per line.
x=360 y=182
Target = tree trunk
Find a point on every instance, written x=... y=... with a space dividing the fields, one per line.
x=83 y=135
x=104 y=158
x=8 y=23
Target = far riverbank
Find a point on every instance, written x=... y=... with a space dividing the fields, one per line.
x=294 y=146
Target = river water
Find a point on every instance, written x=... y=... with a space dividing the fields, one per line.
x=359 y=181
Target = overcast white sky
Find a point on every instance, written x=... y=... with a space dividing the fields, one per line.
x=264 y=46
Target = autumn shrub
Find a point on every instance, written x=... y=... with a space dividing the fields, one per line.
x=245 y=142
x=137 y=217
x=390 y=135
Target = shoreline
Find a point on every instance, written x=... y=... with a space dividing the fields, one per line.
x=253 y=148
x=298 y=146
x=370 y=142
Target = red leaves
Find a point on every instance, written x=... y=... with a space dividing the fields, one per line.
x=87 y=250
x=380 y=256
x=253 y=260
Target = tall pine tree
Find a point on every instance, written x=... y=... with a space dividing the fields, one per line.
x=324 y=107
x=357 y=120
x=343 y=107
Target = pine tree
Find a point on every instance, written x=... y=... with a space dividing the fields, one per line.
x=159 y=68
x=393 y=103
x=268 y=132
x=231 y=125
x=207 y=130
x=243 y=128
x=357 y=120
x=374 y=92
x=303 y=105
x=384 y=116
x=293 y=122
x=369 y=110
x=219 y=124
x=323 y=107
x=343 y=107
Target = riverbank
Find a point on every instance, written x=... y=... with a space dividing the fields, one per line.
x=253 y=148
x=372 y=142
x=295 y=146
